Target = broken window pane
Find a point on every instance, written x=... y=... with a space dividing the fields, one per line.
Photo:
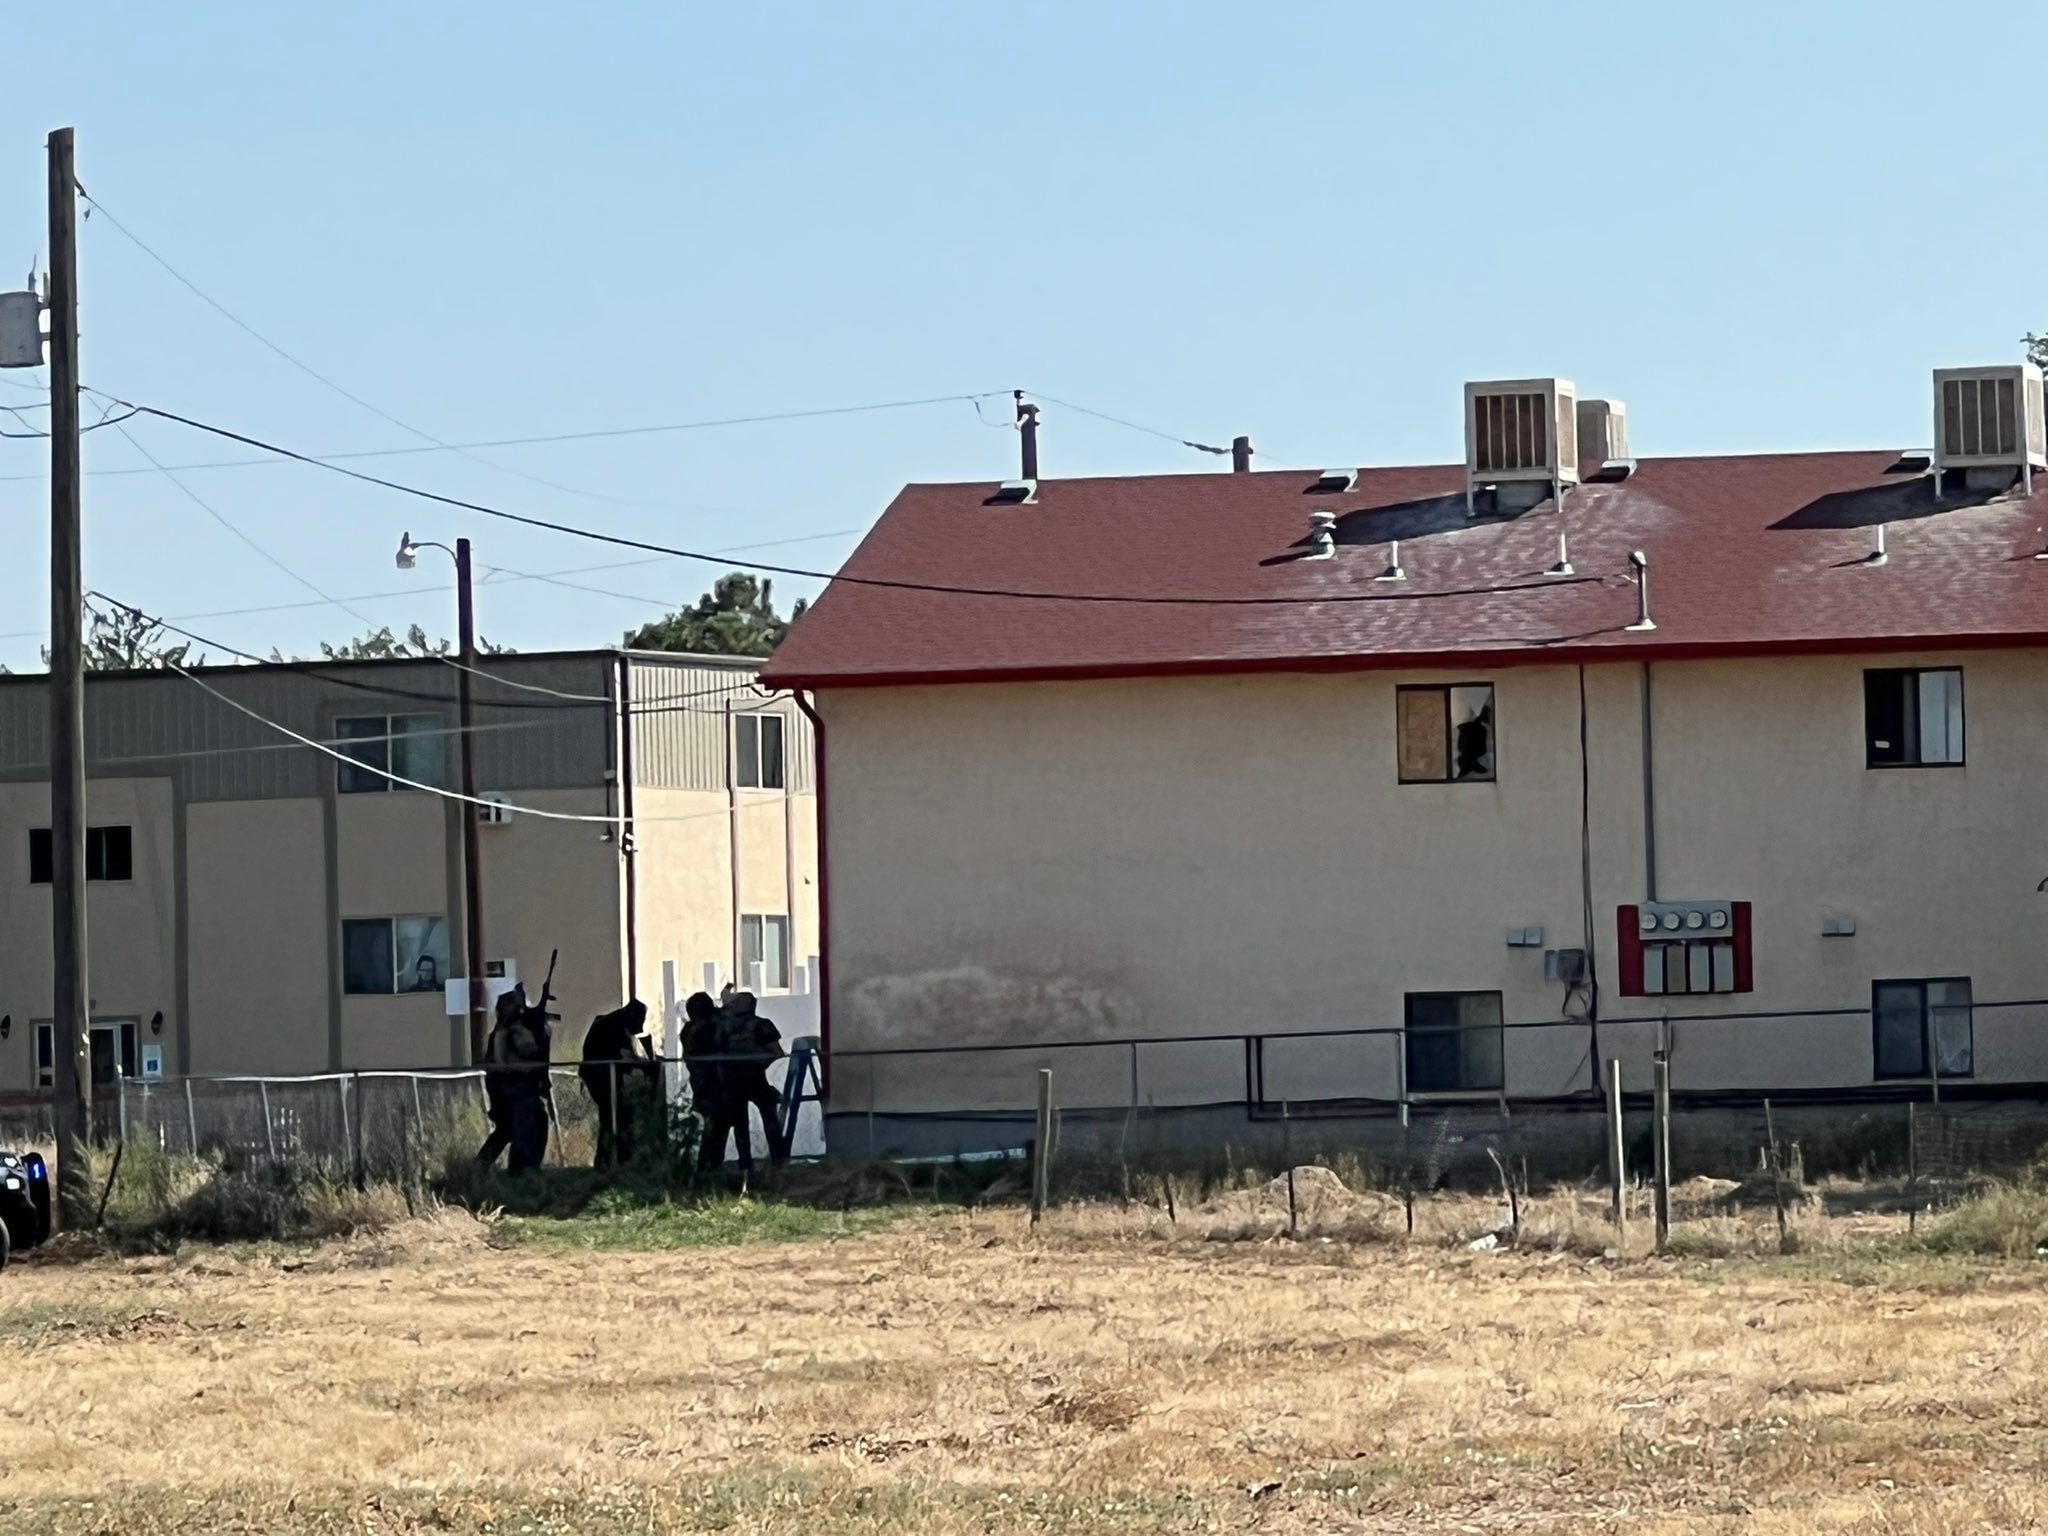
x=1949 y=1021
x=1423 y=718
x=1471 y=714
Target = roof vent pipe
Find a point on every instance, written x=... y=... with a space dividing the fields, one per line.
x=1877 y=556
x=1322 y=535
x=1641 y=562
x=1240 y=455
x=1564 y=558
x=1393 y=572
x=1027 y=429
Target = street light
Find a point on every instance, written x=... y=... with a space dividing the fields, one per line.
x=472 y=877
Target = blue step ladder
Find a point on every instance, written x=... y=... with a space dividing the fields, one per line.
x=803 y=1083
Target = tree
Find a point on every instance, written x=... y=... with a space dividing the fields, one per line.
x=736 y=617
x=2037 y=350
x=382 y=645
x=126 y=641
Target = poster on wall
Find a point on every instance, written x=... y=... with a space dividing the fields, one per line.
x=422 y=944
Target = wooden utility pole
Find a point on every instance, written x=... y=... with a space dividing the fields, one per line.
x=472 y=873
x=71 y=1027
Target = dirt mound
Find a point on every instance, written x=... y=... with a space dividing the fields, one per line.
x=1759 y=1189
x=447 y=1231
x=1324 y=1207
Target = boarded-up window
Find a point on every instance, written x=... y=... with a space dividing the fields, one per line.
x=1446 y=734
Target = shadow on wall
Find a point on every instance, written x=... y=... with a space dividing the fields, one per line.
x=972 y=1006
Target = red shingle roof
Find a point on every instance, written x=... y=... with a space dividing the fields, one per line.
x=1762 y=552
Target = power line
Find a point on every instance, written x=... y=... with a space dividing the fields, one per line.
x=1170 y=437
x=1150 y=599
x=509 y=574
x=575 y=437
x=467 y=450
x=672 y=704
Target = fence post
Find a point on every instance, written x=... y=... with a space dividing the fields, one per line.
x=341 y=1092
x=671 y=1036
x=120 y=1106
x=871 y=1108
x=1041 y=1161
x=1912 y=1168
x=1777 y=1184
x=269 y=1132
x=191 y=1119
x=1617 y=1152
x=1287 y=1152
x=611 y=1089
x=1661 y=1148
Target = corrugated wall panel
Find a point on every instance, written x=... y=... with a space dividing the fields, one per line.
x=163 y=723
x=679 y=709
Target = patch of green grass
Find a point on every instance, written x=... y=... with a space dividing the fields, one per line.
x=763 y=1502
x=618 y=1221
x=2006 y=1221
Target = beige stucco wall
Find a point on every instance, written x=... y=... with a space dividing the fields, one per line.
x=129 y=925
x=685 y=876
x=391 y=860
x=257 y=972
x=1234 y=855
x=558 y=885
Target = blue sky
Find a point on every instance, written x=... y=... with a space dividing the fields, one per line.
x=1759 y=225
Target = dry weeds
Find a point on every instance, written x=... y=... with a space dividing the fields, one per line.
x=1120 y=1372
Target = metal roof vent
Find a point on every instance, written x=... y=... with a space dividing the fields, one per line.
x=1603 y=430
x=1322 y=535
x=1521 y=429
x=1991 y=417
x=1335 y=482
x=1015 y=493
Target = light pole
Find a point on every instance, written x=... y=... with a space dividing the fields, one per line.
x=472 y=877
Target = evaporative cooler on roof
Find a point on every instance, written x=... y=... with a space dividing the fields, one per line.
x=1989 y=417
x=1522 y=429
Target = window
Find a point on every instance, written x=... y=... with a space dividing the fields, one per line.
x=1454 y=1042
x=1908 y=1018
x=113 y=1052
x=381 y=956
x=765 y=940
x=109 y=854
x=1913 y=718
x=1673 y=949
x=409 y=746
x=1446 y=734
x=760 y=749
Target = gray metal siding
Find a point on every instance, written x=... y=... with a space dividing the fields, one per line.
x=678 y=714
x=161 y=723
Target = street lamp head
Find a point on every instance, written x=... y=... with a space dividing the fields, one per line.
x=408 y=552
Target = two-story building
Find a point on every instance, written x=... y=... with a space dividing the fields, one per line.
x=1370 y=786
x=259 y=905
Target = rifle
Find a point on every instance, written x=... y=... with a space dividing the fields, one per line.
x=540 y=1010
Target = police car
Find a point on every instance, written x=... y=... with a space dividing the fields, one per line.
x=24 y=1202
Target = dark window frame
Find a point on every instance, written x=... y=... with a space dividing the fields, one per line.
x=779 y=982
x=378 y=747
x=754 y=718
x=398 y=984
x=1910 y=717
x=101 y=844
x=1450 y=775
x=1411 y=1030
x=1927 y=1067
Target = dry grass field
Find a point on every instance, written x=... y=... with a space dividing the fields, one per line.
x=947 y=1371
